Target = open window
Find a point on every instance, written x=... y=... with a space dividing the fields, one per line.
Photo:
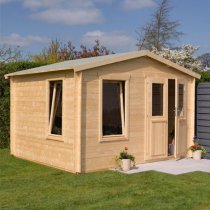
x=55 y=108
x=113 y=108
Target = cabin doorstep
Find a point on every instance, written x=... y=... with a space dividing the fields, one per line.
x=77 y=115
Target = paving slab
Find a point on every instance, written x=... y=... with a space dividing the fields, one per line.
x=174 y=167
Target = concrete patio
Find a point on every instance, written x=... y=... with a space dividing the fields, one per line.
x=174 y=167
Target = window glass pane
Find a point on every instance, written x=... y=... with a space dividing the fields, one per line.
x=112 y=105
x=181 y=99
x=157 y=99
x=55 y=108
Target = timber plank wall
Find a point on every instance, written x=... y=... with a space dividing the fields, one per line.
x=203 y=115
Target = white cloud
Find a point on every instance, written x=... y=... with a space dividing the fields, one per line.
x=22 y=41
x=114 y=40
x=70 y=12
x=36 y=4
x=69 y=17
x=137 y=4
x=96 y=33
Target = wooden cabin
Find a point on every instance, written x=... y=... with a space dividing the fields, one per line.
x=78 y=115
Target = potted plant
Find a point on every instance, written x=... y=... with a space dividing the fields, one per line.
x=124 y=159
x=197 y=149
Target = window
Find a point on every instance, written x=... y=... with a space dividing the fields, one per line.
x=157 y=99
x=55 y=108
x=181 y=99
x=113 y=108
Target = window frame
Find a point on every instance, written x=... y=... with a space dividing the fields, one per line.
x=124 y=135
x=162 y=102
x=182 y=113
x=152 y=80
x=51 y=136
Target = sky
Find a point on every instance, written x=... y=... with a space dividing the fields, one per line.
x=32 y=24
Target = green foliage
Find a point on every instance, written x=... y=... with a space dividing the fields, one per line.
x=205 y=76
x=5 y=97
x=124 y=155
x=26 y=185
x=196 y=146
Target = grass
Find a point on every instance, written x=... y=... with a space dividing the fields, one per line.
x=26 y=185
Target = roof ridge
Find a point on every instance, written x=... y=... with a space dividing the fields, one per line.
x=92 y=62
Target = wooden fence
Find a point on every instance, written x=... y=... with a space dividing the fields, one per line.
x=203 y=115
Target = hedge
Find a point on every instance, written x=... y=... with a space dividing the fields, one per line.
x=5 y=97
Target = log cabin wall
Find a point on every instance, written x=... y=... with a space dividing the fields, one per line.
x=30 y=138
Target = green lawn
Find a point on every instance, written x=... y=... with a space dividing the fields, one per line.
x=26 y=185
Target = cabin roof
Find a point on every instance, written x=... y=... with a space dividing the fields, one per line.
x=88 y=63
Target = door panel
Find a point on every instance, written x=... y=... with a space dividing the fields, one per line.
x=157 y=148
x=156 y=118
x=180 y=119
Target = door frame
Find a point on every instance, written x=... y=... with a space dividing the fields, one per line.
x=180 y=116
x=148 y=99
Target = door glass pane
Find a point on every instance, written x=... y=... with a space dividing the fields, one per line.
x=112 y=120
x=157 y=99
x=181 y=100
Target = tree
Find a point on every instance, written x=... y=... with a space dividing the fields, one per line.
x=57 y=52
x=96 y=50
x=8 y=54
x=205 y=60
x=160 y=31
x=182 y=56
x=205 y=76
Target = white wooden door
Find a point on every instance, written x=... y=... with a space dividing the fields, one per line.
x=180 y=120
x=156 y=118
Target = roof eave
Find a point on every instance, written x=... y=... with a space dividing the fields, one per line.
x=107 y=61
x=7 y=76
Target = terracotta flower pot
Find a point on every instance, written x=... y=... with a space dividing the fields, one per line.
x=197 y=154
x=126 y=164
